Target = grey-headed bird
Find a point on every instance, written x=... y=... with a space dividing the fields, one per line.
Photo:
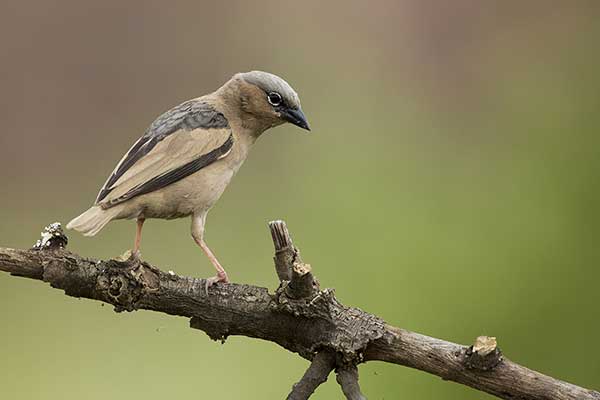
x=188 y=155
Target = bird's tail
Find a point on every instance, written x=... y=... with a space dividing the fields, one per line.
x=90 y=222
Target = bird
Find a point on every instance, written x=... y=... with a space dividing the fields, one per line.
x=186 y=158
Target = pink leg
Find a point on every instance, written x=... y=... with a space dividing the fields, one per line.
x=221 y=274
x=198 y=235
x=138 y=236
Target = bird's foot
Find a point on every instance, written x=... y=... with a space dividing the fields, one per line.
x=220 y=277
x=136 y=255
x=130 y=255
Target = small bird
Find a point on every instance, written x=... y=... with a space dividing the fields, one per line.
x=186 y=158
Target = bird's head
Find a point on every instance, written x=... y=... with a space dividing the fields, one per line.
x=268 y=98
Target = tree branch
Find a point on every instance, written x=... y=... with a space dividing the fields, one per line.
x=307 y=321
x=347 y=377
x=316 y=374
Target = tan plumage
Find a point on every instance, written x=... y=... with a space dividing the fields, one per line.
x=188 y=156
x=172 y=152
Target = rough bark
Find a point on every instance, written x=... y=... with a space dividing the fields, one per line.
x=302 y=319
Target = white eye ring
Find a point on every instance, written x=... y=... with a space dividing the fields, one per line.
x=274 y=99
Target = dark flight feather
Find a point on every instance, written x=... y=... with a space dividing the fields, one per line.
x=190 y=115
x=174 y=175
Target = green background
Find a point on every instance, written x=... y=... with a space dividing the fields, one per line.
x=450 y=185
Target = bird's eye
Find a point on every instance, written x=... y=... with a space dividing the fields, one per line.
x=274 y=99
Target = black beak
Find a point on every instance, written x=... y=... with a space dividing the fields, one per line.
x=295 y=117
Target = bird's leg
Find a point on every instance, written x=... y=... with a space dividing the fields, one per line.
x=138 y=237
x=198 y=235
x=221 y=274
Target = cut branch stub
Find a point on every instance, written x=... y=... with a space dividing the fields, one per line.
x=315 y=309
x=303 y=284
x=285 y=252
x=484 y=354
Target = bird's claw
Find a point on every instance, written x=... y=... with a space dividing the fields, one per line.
x=217 y=278
x=130 y=255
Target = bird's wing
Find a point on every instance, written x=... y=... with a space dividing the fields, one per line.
x=180 y=142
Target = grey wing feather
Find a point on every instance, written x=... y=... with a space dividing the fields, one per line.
x=189 y=115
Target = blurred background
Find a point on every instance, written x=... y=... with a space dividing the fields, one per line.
x=450 y=185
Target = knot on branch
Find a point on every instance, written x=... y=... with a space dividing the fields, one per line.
x=334 y=327
x=355 y=330
x=125 y=282
x=341 y=330
x=484 y=354
x=317 y=305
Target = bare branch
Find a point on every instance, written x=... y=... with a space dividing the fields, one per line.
x=347 y=377
x=450 y=361
x=315 y=375
x=310 y=324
